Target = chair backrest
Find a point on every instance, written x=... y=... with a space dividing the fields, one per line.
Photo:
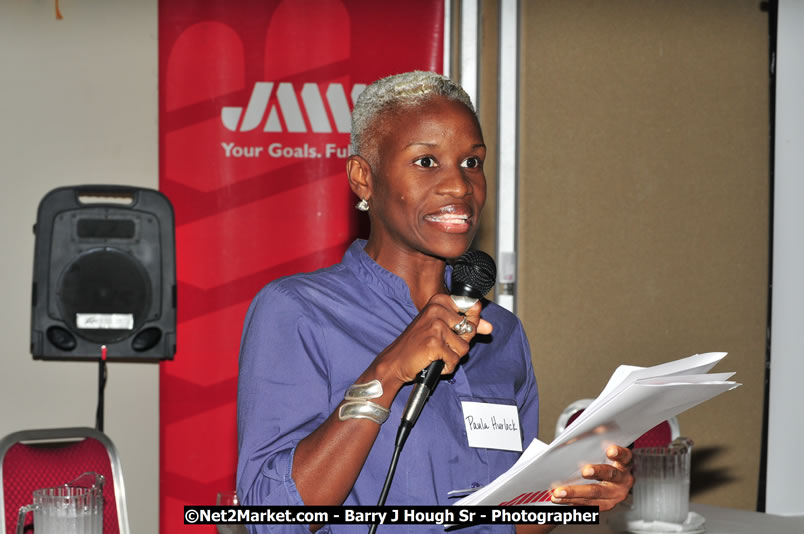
x=570 y=413
x=35 y=459
x=659 y=436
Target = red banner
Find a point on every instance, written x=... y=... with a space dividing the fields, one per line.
x=254 y=104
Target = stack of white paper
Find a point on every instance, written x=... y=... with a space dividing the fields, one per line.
x=635 y=400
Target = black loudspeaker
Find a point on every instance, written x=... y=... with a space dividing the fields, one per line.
x=104 y=275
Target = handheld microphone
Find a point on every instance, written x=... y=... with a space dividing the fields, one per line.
x=473 y=275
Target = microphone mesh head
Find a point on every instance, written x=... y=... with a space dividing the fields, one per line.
x=474 y=269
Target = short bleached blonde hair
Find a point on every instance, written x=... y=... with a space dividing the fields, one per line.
x=396 y=92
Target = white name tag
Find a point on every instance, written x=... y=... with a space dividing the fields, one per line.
x=492 y=426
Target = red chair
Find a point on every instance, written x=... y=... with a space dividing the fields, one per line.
x=659 y=436
x=34 y=459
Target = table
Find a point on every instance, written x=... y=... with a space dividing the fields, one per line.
x=719 y=520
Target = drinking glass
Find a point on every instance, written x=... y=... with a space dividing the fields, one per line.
x=229 y=498
x=662 y=482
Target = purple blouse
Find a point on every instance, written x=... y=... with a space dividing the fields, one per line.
x=307 y=338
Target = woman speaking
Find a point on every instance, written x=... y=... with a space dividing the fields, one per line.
x=327 y=356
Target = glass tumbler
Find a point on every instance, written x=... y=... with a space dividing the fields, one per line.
x=662 y=482
x=229 y=498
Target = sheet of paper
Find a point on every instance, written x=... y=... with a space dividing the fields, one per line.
x=628 y=374
x=630 y=405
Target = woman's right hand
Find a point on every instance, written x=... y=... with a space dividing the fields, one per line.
x=430 y=337
x=427 y=338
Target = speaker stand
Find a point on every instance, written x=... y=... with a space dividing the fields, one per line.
x=101 y=388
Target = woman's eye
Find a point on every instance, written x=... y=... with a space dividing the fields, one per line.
x=426 y=162
x=471 y=163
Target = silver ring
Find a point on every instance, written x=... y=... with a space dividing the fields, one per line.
x=464 y=327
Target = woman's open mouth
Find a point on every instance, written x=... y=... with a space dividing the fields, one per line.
x=451 y=219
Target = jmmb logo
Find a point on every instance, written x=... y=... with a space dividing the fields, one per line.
x=292 y=110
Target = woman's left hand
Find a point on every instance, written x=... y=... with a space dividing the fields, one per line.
x=615 y=481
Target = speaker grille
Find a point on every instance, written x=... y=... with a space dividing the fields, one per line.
x=104 y=283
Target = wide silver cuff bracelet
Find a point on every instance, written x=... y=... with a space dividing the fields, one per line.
x=363 y=409
x=358 y=405
x=368 y=390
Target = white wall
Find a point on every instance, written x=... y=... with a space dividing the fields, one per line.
x=785 y=424
x=78 y=104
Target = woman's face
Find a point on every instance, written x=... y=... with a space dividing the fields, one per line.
x=428 y=186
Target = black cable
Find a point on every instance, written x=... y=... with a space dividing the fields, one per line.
x=101 y=388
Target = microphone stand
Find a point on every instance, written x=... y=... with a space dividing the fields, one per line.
x=424 y=385
x=473 y=275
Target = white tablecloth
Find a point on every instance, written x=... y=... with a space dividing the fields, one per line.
x=719 y=520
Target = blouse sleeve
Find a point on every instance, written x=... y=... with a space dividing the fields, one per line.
x=283 y=396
